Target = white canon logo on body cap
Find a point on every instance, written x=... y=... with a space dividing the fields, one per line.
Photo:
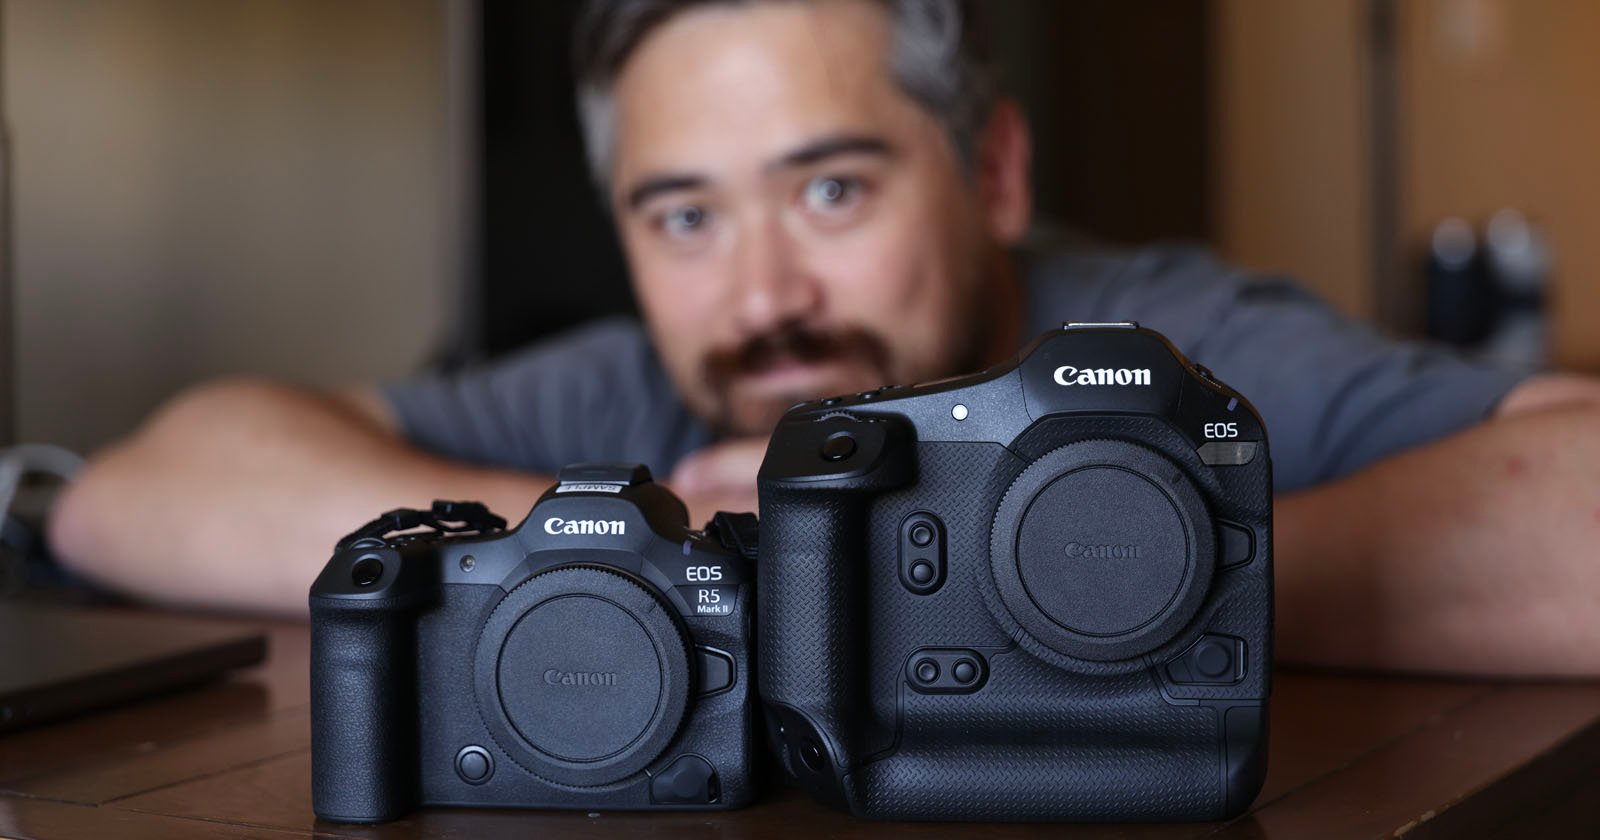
x=1069 y=375
x=557 y=525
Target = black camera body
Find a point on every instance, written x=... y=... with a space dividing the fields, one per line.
x=1042 y=592
x=595 y=657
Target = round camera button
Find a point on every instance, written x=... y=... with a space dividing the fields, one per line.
x=366 y=571
x=1213 y=659
x=838 y=446
x=964 y=671
x=474 y=765
x=812 y=757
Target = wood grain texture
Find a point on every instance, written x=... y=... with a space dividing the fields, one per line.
x=1352 y=756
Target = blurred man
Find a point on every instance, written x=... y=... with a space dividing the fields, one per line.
x=821 y=197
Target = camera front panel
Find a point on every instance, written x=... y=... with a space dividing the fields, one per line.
x=597 y=657
x=1123 y=675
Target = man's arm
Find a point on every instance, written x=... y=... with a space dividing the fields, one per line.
x=233 y=494
x=1474 y=554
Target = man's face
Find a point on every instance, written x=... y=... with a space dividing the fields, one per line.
x=795 y=224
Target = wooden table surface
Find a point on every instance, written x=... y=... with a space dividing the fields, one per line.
x=1351 y=756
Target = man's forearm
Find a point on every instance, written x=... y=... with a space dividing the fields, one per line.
x=233 y=496
x=1477 y=554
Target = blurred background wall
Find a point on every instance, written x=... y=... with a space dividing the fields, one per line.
x=339 y=191
x=202 y=188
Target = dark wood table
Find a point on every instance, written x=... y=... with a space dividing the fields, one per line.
x=1352 y=756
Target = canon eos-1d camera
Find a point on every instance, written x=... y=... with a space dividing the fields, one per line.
x=596 y=657
x=1041 y=592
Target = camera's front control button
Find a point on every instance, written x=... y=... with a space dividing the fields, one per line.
x=838 y=446
x=1213 y=660
x=716 y=670
x=687 y=781
x=1238 y=546
x=474 y=765
x=946 y=671
x=922 y=553
x=812 y=756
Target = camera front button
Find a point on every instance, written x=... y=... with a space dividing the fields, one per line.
x=1214 y=659
x=688 y=781
x=1238 y=544
x=716 y=670
x=474 y=765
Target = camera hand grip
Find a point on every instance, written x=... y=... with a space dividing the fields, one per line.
x=810 y=619
x=816 y=486
x=363 y=740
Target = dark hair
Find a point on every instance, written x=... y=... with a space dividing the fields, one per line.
x=938 y=58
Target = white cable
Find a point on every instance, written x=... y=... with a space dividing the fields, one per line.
x=22 y=459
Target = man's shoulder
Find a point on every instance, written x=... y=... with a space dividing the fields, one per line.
x=1176 y=288
x=603 y=340
x=607 y=350
x=595 y=392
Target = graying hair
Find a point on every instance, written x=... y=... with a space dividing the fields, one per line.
x=937 y=57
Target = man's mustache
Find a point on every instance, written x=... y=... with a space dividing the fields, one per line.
x=794 y=343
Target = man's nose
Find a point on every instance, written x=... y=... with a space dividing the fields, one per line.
x=770 y=288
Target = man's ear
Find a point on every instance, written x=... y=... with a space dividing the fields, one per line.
x=1005 y=158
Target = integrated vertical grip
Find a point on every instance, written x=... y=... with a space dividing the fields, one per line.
x=363 y=688
x=813 y=487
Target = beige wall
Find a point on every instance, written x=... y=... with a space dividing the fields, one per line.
x=202 y=188
x=1290 y=154
x=1502 y=105
x=1496 y=108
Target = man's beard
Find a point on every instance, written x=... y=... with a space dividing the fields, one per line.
x=788 y=343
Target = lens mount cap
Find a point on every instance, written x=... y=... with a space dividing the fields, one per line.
x=1102 y=550
x=582 y=676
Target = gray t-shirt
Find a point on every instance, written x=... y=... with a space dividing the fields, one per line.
x=1335 y=395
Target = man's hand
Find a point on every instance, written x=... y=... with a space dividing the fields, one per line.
x=719 y=477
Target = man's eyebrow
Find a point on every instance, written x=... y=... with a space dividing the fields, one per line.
x=657 y=184
x=827 y=147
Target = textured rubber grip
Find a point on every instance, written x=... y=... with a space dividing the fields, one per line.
x=363 y=700
x=1164 y=778
x=811 y=617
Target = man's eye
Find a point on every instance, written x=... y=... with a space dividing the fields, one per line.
x=683 y=221
x=827 y=194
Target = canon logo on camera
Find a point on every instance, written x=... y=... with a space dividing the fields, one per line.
x=557 y=525
x=1069 y=375
x=1103 y=552
x=555 y=676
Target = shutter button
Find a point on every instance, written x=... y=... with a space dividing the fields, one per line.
x=838 y=446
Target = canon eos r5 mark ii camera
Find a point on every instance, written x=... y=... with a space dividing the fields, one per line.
x=595 y=657
x=1041 y=592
